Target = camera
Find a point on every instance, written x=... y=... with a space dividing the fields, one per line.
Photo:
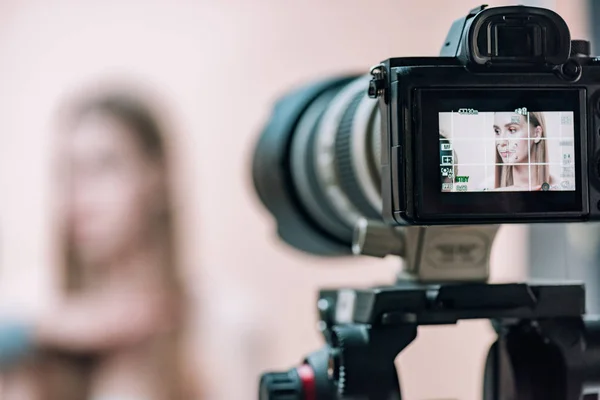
x=424 y=158
x=502 y=127
x=509 y=114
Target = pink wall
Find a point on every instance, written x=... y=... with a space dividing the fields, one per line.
x=218 y=66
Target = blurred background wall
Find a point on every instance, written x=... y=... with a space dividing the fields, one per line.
x=217 y=67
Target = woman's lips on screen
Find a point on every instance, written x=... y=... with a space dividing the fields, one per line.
x=504 y=154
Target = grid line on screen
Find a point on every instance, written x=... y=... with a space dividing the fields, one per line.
x=451 y=135
x=495 y=164
x=528 y=151
x=560 y=132
x=481 y=139
x=485 y=151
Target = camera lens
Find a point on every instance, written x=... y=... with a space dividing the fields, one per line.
x=327 y=173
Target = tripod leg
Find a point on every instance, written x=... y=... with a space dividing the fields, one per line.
x=364 y=360
x=389 y=385
x=536 y=360
x=498 y=381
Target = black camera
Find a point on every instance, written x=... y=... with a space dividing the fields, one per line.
x=499 y=129
x=502 y=127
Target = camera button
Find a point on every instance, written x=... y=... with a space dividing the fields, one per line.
x=571 y=70
x=580 y=48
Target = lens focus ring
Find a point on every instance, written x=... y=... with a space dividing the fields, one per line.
x=344 y=159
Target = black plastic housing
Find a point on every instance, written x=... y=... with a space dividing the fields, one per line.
x=514 y=35
x=404 y=108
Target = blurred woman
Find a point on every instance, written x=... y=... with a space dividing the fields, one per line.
x=116 y=332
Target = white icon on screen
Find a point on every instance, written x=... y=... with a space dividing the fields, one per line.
x=447 y=172
x=446 y=146
x=567 y=172
x=566 y=185
x=446 y=159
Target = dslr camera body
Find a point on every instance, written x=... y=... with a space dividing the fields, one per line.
x=502 y=128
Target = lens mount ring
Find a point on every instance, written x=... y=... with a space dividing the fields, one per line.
x=375 y=141
x=365 y=132
x=302 y=169
x=324 y=151
x=353 y=156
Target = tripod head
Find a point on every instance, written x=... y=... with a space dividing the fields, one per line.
x=546 y=349
x=431 y=254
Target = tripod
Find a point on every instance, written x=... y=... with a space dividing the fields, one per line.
x=546 y=349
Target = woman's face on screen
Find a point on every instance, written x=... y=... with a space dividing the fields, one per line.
x=512 y=133
x=110 y=189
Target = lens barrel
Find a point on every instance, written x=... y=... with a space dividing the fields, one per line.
x=316 y=166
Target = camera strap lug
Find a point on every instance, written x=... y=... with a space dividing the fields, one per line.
x=378 y=84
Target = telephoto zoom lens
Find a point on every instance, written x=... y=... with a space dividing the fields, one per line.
x=317 y=164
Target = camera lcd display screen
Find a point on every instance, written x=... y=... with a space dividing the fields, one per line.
x=493 y=152
x=509 y=151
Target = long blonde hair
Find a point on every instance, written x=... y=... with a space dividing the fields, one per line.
x=538 y=154
x=143 y=124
